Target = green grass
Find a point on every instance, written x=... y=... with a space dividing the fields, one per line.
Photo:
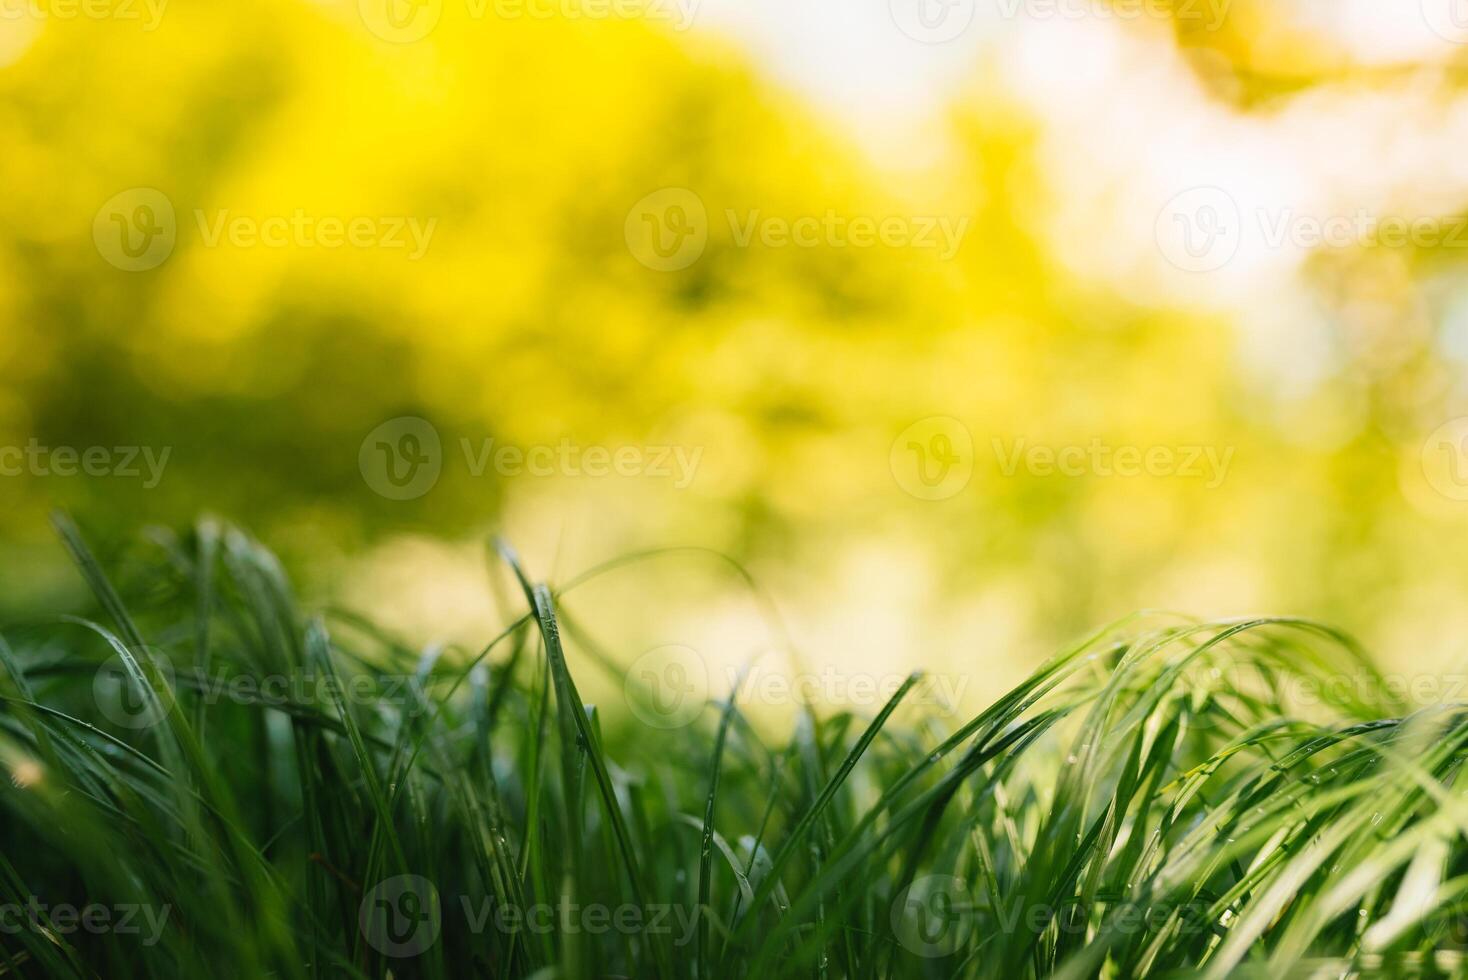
x=221 y=784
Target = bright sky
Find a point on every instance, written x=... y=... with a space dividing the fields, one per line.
x=1136 y=150
x=1121 y=92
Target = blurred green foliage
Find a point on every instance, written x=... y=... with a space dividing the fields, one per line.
x=529 y=320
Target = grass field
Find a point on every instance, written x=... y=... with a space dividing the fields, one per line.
x=206 y=779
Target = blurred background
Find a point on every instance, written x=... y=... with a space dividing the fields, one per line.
x=966 y=326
